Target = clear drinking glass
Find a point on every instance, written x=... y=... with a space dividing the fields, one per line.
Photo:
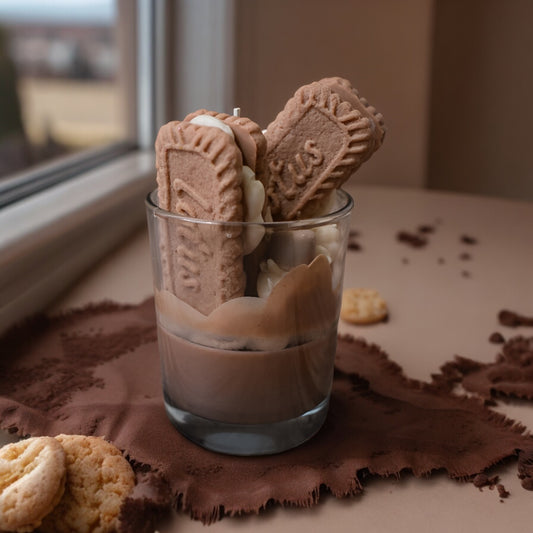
x=247 y=319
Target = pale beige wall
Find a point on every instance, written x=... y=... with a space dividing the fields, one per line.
x=453 y=78
x=482 y=98
x=382 y=46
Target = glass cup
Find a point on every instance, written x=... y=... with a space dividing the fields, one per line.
x=247 y=319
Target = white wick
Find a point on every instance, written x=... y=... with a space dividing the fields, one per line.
x=236 y=111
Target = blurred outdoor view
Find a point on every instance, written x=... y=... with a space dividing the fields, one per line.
x=59 y=87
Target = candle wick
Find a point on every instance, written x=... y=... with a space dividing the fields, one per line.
x=236 y=111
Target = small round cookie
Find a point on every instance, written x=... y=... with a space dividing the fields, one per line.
x=363 y=306
x=99 y=479
x=32 y=481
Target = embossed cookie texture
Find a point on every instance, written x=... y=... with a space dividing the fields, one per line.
x=316 y=143
x=249 y=138
x=32 y=482
x=347 y=92
x=99 y=479
x=199 y=175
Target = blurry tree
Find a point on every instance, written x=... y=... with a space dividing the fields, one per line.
x=14 y=149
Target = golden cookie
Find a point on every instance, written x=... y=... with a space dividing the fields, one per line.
x=99 y=479
x=32 y=481
x=363 y=306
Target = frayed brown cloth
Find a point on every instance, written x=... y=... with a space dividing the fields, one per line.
x=511 y=374
x=95 y=371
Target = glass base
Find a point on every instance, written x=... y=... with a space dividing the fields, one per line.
x=248 y=439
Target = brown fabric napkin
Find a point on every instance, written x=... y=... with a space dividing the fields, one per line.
x=95 y=371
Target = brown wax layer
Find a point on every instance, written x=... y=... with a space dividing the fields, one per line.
x=243 y=387
x=96 y=371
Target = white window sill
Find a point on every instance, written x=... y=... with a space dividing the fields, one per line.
x=48 y=240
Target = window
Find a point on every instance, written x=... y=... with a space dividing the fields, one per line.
x=60 y=80
x=78 y=134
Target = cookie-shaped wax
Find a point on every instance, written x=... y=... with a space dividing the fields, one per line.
x=199 y=175
x=315 y=144
x=99 y=479
x=32 y=482
x=363 y=306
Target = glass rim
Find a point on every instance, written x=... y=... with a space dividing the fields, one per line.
x=347 y=204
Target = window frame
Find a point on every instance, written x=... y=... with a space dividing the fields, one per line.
x=58 y=219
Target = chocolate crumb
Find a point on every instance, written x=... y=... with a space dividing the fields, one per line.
x=525 y=468
x=502 y=491
x=482 y=480
x=405 y=261
x=513 y=320
x=466 y=274
x=111 y=375
x=465 y=256
x=354 y=246
x=425 y=228
x=467 y=239
x=441 y=261
x=496 y=338
x=412 y=239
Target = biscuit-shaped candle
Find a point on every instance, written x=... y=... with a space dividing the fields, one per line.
x=199 y=175
x=321 y=137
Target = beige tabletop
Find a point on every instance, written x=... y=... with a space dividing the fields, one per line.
x=441 y=303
